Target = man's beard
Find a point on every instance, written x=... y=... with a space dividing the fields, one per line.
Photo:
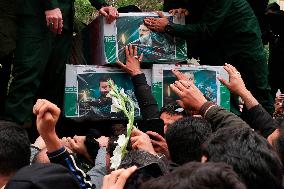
x=145 y=40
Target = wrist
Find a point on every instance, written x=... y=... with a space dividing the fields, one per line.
x=133 y=74
x=169 y=28
x=244 y=93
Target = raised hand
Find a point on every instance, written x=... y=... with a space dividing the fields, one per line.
x=236 y=84
x=190 y=96
x=141 y=141
x=159 y=143
x=118 y=178
x=47 y=116
x=132 y=65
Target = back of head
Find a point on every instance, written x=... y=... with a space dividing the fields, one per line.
x=173 y=109
x=185 y=137
x=43 y=176
x=14 y=148
x=195 y=175
x=251 y=156
x=278 y=143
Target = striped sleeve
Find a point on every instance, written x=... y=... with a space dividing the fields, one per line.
x=66 y=159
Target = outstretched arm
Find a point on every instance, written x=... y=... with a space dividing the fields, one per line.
x=147 y=103
x=257 y=117
x=191 y=98
x=47 y=117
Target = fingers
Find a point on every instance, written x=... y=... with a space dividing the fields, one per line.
x=178 y=74
x=103 y=12
x=136 y=132
x=114 y=175
x=72 y=143
x=223 y=81
x=229 y=69
x=125 y=175
x=126 y=51
x=42 y=106
x=118 y=178
x=120 y=64
x=141 y=57
x=60 y=26
x=55 y=24
x=181 y=104
x=160 y=14
x=155 y=135
x=135 y=51
x=176 y=90
x=130 y=50
x=181 y=86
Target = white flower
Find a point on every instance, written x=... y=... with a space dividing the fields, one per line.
x=115 y=160
x=123 y=93
x=110 y=94
x=121 y=141
x=116 y=105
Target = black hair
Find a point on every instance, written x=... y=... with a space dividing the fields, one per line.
x=173 y=109
x=104 y=78
x=278 y=143
x=185 y=137
x=14 y=148
x=251 y=156
x=196 y=175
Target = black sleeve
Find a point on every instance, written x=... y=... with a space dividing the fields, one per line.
x=212 y=19
x=261 y=121
x=147 y=103
x=62 y=157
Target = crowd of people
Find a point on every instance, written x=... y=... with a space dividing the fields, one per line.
x=192 y=143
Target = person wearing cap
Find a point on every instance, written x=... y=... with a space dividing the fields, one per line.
x=44 y=38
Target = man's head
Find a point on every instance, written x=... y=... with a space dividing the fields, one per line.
x=195 y=175
x=144 y=34
x=276 y=139
x=104 y=86
x=171 y=113
x=185 y=137
x=43 y=176
x=251 y=156
x=14 y=148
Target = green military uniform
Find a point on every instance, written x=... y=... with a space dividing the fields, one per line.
x=227 y=31
x=7 y=44
x=40 y=57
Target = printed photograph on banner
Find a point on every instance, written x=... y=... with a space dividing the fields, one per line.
x=92 y=97
x=156 y=47
x=205 y=80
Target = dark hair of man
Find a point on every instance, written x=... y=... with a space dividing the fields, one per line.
x=196 y=175
x=251 y=156
x=278 y=143
x=185 y=137
x=104 y=78
x=14 y=148
x=173 y=109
